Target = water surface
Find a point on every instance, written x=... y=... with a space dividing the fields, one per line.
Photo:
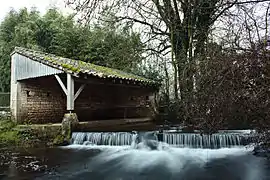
x=129 y=163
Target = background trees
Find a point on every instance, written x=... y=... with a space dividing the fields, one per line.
x=103 y=44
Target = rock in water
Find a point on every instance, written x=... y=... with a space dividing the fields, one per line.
x=262 y=151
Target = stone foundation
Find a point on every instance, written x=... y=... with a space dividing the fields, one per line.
x=69 y=122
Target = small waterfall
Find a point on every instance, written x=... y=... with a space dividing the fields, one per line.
x=191 y=140
x=194 y=140
x=103 y=138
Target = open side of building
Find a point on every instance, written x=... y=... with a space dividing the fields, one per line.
x=44 y=87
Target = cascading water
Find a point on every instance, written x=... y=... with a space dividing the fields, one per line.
x=213 y=141
x=191 y=140
x=165 y=155
x=103 y=138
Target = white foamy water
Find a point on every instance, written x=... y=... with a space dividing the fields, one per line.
x=173 y=159
x=191 y=140
x=150 y=159
x=168 y=154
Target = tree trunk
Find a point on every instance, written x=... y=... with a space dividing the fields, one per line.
x=167 y=83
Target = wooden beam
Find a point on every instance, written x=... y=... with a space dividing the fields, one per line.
x=115 y=125
x=61 y=83
x=108 y=83
x=70 y=92
x=79 y=91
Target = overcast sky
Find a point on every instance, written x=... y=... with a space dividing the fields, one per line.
x=41 y=5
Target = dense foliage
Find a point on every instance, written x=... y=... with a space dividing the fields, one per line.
x=55 y=33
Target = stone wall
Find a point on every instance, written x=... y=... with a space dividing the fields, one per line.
x=41 y=100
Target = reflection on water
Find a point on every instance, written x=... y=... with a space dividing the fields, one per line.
x=129 y=163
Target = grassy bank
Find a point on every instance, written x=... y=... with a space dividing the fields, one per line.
x=9 y=136
x=13 y=135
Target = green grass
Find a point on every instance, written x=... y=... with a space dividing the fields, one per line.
x=8 y=135
x=9 y=138
x=6 y=125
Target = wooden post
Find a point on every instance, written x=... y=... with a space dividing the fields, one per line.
x=70 y=92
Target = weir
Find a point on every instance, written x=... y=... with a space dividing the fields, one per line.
x=190 y=140
x=203 y=141
x=103 y=138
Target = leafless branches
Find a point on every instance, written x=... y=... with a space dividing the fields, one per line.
x=188 y=29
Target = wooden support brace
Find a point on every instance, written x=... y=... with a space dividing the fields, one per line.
x=69 y=91
x=79 y=91
x=61 y=83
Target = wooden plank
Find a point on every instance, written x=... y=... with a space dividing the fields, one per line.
x=70 y=92
x=108 y=82
x=112 y=106
x=115 y=124
x=79 y=91
x=61 y=83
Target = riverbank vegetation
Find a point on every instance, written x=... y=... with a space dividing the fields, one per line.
x=8 y=135
x=27 y=135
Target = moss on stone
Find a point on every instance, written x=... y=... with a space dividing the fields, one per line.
x=70 y=120
x=12 y=135
x=70 y=67
x=60 y=140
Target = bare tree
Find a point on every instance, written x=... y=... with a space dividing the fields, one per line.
x=180 y=33
x=233 y=90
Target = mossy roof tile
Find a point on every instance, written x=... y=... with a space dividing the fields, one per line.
x=77 y=67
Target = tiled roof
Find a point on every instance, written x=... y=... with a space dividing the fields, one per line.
x=78 y=68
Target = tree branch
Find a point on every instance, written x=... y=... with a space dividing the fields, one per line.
x=159 y=51
x=222 y=11
x=153 y=28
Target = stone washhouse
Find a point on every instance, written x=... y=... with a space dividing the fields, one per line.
x=45 y=87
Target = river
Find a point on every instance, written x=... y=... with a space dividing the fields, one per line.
x=129 y=162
